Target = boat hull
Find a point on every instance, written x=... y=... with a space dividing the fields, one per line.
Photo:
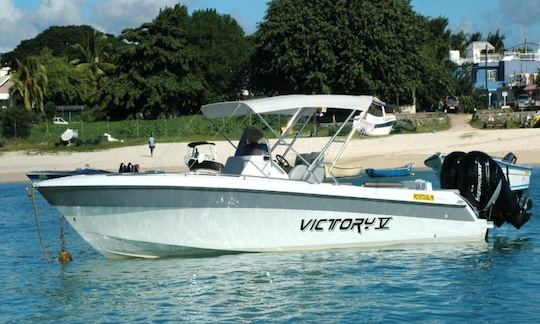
x=375 y=129
x=203 y=214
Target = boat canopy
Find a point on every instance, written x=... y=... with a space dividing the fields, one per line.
x=194 y=144
x=287 y=105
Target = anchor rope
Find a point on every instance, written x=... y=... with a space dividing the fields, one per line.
x=156 y=162
x=62 y=237
x=38 y=227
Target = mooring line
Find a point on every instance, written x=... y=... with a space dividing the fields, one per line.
x=36 y=216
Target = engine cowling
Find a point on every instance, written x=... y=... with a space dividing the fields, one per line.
x=481 y=181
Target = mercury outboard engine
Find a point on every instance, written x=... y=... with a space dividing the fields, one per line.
x=449 y=170
x=481 y=181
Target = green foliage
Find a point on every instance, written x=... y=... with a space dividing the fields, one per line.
x=94 y=114
x=435 y=71
x=459 y=42
x=473 y=102
x=16 y=122
x=49 y=110
x=59 y=39
x=30 y=83
x=175 y=64
x=66 y=85
x=497 y=40
x=475 y=37
x=356 y=47
x=93 y=56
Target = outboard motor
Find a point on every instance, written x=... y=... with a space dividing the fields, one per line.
x=510 y=158
x=481 y=181
x=449 y=170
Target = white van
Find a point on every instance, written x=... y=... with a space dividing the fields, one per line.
x=59 y=121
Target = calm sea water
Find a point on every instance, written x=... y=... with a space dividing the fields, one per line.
x=497 y=281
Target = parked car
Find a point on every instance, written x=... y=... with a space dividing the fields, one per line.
x=451 y=104
x=59 y=121
x=524 y=102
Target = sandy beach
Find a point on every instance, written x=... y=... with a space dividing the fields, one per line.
x=375 y=152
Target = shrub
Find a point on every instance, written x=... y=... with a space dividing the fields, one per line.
x=16 y=122
x=94 y=114
x=50 y=110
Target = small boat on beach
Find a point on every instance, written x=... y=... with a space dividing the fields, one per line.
x=376 y=122
x=262 y=203
x=391 y=172
x=202 y=157
x=342 y=171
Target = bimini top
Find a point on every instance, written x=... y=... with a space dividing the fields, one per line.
x=287 y=105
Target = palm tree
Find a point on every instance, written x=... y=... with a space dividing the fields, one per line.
x=92 y=56
x=497 y=40
x=30 y=82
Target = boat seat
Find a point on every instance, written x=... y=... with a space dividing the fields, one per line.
x=253 y=149
x=300 y=173
x=418 y=184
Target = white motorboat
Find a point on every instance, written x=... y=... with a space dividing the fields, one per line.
x=202 y=157
x=518 y=176
x=376 y=122
x=261 y=203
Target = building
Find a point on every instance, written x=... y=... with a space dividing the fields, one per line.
x=5 y=86
x=70 y=112
x=504 y=75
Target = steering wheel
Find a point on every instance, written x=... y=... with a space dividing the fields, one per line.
x=282 y=161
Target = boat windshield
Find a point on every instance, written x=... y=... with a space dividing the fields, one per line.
x=252 y=142
x=376 y=110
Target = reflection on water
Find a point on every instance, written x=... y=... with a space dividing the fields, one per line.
x=480 y=282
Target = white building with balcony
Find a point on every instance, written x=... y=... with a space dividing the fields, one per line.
x=5 y=87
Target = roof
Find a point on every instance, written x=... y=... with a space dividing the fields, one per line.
x=481 y=45
x=193 y=144
x=4 y=79
x=530 y=87
x=6 y=86
x=287 y=105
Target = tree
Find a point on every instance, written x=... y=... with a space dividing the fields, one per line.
x=176 y=63
x=435 y=73
x=475 y=37
x=354 y=47
x=30 y=83
x=66 y=85
x=497 y=40
x=439 y=38
x=16 y=122
x=59 y=39
x=459 y=42
x=92 y=55
x=463 y=79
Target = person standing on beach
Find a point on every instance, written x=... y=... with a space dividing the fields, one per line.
x=152 y=144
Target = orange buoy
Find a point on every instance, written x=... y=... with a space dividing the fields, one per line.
x=65 y=257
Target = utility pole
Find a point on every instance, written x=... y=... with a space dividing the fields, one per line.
x=486 y=71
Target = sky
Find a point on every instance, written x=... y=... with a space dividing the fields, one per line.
x=24 y=19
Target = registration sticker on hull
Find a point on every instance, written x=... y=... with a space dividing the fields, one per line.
x=423 y=197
